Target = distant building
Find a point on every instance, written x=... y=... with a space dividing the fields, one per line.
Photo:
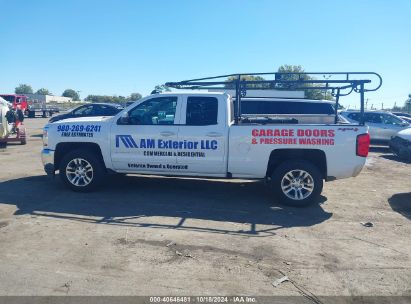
x=50 y=98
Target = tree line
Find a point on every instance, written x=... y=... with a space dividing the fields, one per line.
x=27 y=89
x=74 y=95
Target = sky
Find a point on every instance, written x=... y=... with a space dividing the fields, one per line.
x=117 y=47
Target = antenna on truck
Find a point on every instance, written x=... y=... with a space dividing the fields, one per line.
x=338 y=83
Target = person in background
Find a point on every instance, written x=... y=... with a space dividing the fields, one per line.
x=11 y=117
x=19 y=117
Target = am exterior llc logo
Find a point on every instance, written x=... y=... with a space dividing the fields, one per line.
x=148 y=143
x=127 y=141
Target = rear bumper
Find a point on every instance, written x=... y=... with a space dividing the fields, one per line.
x=47 y=157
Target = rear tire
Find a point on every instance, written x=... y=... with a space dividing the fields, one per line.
x=81 y=170
x=297 y=183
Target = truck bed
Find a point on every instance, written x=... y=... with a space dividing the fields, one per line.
x=250 y=143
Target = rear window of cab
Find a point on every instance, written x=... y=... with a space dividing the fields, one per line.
x=285 y=107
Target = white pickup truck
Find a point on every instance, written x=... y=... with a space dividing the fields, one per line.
x=195 y=134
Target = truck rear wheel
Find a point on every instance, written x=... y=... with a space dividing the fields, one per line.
x=297 y=183
x=81 y=170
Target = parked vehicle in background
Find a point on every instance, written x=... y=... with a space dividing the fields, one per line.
x=383 y=125
x=41 y=108
x=400 y=144
x=11 y=124
x=17 y=100
x=90 y=110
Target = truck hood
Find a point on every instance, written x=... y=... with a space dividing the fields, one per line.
x=405 y=134
x=85 y=119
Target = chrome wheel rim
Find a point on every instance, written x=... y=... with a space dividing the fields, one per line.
x=297 y=184
x=79 y=172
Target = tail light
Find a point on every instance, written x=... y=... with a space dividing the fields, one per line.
x=363 y=144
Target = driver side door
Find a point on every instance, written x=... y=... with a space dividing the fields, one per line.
x=143 y=144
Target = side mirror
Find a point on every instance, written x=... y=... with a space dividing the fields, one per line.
x=124 y=119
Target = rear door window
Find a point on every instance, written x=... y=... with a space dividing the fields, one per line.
x=285 y=107
x=201 y=111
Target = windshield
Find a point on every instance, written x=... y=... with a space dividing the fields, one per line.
x=393 y=120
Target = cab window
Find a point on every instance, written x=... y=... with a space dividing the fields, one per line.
x=155 y=111
x=201 y=111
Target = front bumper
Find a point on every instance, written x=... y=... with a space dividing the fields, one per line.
x=401 y=147
x=47 y=157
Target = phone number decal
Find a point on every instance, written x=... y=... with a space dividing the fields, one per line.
x=78 y=128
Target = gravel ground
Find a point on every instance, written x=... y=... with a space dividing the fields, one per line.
x=175 y=236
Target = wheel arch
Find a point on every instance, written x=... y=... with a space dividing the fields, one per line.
x=315 y=156
x=65 y=147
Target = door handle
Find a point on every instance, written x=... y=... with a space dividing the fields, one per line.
x=214 y=134
x=167 y=133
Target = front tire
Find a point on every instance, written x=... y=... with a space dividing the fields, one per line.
x=297 y=183
x=81 y=170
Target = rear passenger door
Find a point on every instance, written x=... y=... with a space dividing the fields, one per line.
x=204 y=129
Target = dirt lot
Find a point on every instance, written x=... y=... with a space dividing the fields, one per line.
x=169 y=236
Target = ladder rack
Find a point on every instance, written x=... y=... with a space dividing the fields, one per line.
x=338 y=83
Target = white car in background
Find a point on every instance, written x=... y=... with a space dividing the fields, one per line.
x=383 y=125
x=400 y=144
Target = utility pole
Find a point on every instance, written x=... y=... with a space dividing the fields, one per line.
x=366 y=104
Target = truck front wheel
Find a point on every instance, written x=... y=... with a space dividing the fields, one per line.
x=81 y=170
x=297 y=183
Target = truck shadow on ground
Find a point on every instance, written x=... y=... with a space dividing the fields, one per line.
x=401 y=203
x=395 y=158
x=380 y=149
x=388 y=154
x=212 y=206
